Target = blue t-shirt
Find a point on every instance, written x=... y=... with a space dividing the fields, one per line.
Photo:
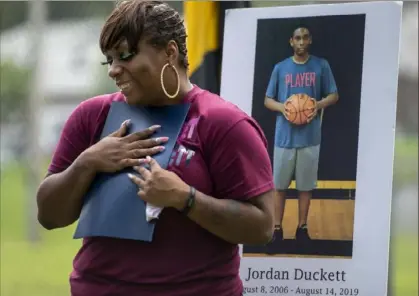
x=314 y=78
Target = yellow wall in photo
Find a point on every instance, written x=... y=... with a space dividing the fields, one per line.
x=329 y=184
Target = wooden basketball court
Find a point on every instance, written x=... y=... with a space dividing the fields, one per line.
x=330 y=224
x=329 y=219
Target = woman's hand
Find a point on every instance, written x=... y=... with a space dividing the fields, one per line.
x=160 y=187
x=118 y=151
x=234 y=221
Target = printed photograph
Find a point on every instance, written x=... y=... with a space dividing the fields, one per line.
x=306 y=97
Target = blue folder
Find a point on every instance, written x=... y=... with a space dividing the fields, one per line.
x=111 y=206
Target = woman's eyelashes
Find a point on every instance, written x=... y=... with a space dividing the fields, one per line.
x=108 y=62
x=125 y=57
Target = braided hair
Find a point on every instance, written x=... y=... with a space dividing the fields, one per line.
x=154 y=20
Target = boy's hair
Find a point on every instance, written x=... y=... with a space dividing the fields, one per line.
x=300 y=26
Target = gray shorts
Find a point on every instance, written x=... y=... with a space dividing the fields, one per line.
x=302 y=163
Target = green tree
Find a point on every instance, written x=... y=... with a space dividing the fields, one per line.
x=14 y=90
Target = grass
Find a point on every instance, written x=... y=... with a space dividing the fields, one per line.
x=43 y=269
x=405 y=265
x=31 y=269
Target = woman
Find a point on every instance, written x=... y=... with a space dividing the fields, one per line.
x=216 y=194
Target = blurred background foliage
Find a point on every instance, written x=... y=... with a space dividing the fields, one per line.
x=14 y=90
x=41 y=267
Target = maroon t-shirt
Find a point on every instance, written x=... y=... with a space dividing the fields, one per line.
x=221 y=152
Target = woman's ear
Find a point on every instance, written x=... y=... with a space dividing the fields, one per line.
x=172 y=52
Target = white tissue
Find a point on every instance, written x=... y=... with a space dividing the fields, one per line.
x=152 y=212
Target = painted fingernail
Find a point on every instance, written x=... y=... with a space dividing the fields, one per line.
x=126 y=122
x=130 y=175
x=141 y=161
x=159 y=148
x=161 y=140
x=154 y=127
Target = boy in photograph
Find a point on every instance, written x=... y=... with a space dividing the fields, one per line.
x=296 y=151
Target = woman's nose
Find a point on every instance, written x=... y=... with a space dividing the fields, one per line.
x=114 y=71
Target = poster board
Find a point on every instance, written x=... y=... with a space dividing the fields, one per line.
x=349 y=215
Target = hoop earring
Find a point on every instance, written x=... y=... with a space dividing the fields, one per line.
x=162 y=82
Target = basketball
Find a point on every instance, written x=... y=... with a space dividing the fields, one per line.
x=299 y=106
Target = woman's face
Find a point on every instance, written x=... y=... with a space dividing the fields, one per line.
x=137 y=75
